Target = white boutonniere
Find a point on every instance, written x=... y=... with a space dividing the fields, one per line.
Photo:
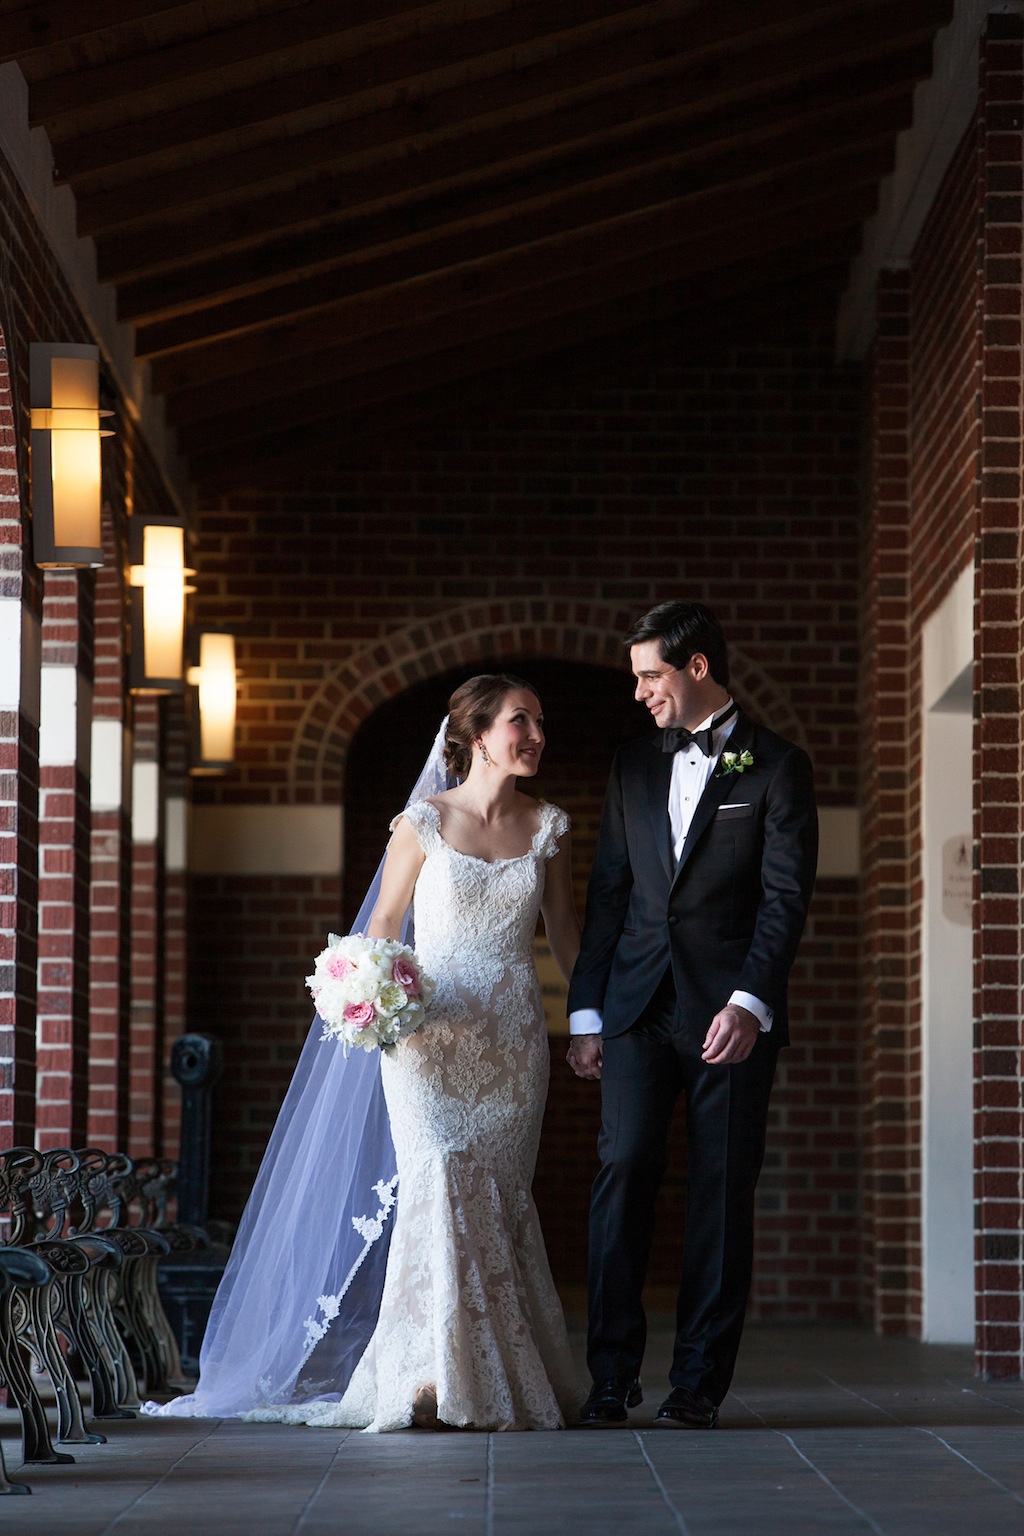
x=735 y=762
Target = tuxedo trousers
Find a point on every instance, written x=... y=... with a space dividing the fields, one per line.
x=643 y=1073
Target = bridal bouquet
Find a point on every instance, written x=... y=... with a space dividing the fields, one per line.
x=368 y=992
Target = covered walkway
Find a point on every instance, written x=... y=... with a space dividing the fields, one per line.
x=828 y=1430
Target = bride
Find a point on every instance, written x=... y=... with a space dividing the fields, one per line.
x=462 y=1325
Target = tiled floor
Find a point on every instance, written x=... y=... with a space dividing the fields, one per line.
x=827 y=1431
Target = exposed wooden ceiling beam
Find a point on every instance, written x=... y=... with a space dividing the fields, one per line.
x=473 y=45
x=471 y=379
x=315 y=33
x=605 y=287
x=217 y=297
x=440 y=170
x=342 y=312
x=31 y=33
x=749 y=65
x=591 y=208
x=622 y=294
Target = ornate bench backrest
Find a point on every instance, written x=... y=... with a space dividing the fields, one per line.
x=102 y=1196
x=147 y=1190
x=18 y=1166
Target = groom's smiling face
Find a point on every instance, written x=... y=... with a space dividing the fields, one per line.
x=674 y=695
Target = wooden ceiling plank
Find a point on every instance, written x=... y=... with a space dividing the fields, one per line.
x=417 y=351
x=590 y=215
x=440 y=173
x=525 y=39
x=75 y=92
x=257 y=367
x=742 y=76
x=29 y=32
x=452 y=91
x=411 y=281
x=522 y=210
x=422 y=387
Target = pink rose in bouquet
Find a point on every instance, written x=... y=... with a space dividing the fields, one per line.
x=360 y=1014
x=405 y=974
x=339 y=966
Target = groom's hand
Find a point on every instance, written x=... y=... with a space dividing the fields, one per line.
x=732 y=1036
x=584 y=1055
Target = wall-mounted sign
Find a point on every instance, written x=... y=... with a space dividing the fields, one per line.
x=956 y=880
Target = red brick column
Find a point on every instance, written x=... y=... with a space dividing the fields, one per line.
x=144 y=1064
x=110 y=891
x=63 y=910
x=19 y=780
x=890 y=857
x=999 y=1144
x=175 y=923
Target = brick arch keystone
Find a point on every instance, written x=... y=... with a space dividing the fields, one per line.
x=570 y=631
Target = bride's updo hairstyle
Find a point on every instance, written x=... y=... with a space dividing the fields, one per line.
x=473 y=709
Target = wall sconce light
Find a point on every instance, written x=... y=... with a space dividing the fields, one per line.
x=158 y=591
x=216 y=683
x=64 y=396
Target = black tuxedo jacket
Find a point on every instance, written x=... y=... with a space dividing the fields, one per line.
x=729 y=914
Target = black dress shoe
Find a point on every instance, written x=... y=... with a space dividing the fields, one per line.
x=685 y=1409
x=609 y=1402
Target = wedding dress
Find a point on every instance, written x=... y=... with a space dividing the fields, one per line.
x=468 y=1307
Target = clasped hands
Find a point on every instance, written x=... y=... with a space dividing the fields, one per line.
x=731 y=1038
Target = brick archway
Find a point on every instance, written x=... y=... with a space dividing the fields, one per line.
x=571 y=631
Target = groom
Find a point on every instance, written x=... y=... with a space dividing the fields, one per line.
x=698 y=896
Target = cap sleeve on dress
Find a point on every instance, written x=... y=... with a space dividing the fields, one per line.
x=425 y=822
x=554 y=823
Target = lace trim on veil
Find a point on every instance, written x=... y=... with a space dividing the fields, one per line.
x=370 y=1229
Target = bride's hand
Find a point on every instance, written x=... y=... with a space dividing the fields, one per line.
x=584 y=1055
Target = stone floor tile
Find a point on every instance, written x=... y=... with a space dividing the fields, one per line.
x=829 y=1432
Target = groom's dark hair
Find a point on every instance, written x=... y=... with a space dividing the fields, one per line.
x=683 y=630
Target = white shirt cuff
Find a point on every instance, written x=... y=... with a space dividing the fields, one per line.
x=585 y=1021
x=762 y=1013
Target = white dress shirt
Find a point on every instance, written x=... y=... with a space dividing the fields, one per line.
x=691 y=771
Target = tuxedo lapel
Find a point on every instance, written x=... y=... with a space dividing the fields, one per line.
x=659 y=777
x=716 y=790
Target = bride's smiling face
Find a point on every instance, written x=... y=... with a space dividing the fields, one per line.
x=515 y=739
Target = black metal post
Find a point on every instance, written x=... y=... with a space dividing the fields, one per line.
x=197 y=1063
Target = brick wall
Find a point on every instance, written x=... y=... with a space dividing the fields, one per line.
x=176 y=1020
x=999 y=725
x=19 y=781
x=76 y=1099
x=728 y=473
x=145 y=1051
x=250 y=942
x=891 y=1222
x=62 y=1024
x=109 y=897
x=945 y=496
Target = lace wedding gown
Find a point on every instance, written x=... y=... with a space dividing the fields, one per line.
x=468 y=1306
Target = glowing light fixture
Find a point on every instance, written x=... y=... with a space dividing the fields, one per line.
x=64 y=395
x=157 y=579
x=215 y=681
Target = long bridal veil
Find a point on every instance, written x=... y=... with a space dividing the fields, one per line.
x=302 y=1287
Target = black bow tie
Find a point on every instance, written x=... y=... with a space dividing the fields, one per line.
x=676 y=738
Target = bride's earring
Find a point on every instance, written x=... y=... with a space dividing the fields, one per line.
x=483 y=754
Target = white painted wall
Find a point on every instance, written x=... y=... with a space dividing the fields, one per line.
x=947 y=1067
